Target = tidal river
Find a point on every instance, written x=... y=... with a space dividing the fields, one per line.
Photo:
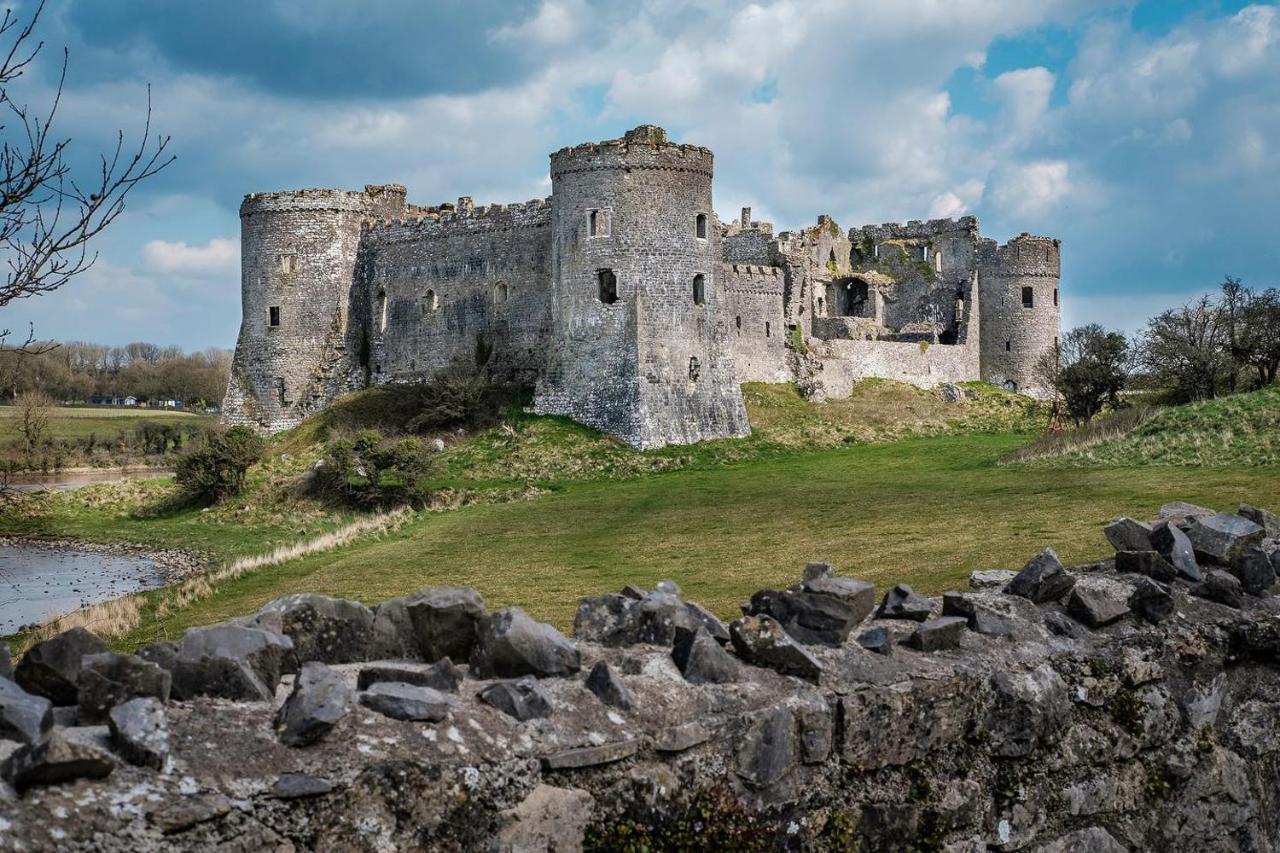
x=38 y=582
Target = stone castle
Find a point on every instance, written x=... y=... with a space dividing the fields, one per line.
x=622 y=299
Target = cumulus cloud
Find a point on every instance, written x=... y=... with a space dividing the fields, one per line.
x=1031 y=189
x=219 y=255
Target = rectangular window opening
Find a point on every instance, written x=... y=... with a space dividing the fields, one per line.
x=1028 y=298
x=273 y=315
x=608 y=286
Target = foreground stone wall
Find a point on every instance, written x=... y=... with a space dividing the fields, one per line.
x=1129 y=704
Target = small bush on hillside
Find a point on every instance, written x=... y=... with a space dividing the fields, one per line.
x=461 y=395
x=217 y=471
x=370 y=472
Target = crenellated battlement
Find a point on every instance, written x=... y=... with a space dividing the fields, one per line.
x=642 y=148
x=914 y=228
x=317 y=199
x=446 y=220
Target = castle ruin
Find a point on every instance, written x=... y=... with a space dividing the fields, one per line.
x=622 y=299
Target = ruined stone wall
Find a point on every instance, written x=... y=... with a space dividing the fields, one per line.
x=845 y=362
x=1014 y=336
x=298 y=258
x=1124 y=705
x=651 y=365
x=468 y=285
x=757 y=325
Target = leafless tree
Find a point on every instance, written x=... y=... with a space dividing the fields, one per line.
x=35 y=412
x=48 y=216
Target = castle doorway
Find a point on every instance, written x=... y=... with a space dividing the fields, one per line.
x=848 y=297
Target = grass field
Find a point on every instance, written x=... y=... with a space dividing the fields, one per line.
x=74 y=423
x=925 y=510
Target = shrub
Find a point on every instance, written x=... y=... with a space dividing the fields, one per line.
x=367 y=471
x=217 y=471
x=461 y=395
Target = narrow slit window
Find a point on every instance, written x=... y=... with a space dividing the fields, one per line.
x=594 y=218
x=1055 y=297
x=430 y=303
x=500 y=293
x=382 y=310
x=699 y=289
x=598 y=223
x=700 y=225
x=937 y=262
x=767 y=331
x=737 y=323
x=280 y=389
x=608 y=283
x=1028 y=298
x=1008 y=346
x=273 y=315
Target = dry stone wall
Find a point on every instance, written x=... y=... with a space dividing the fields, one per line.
x=1128 y=704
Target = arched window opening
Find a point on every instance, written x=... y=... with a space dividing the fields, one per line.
x=1010 y=385
x=430 y=303
x=699 y=289
x=500 y=293
x=382 y=310
x=700 y=225
x=1028 y=298
x=608 y=286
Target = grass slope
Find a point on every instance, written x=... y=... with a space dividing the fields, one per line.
x=81 y=422
x=1243 y=429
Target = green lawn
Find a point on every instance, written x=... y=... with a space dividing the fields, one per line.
x=80 y=422
x=926 y=511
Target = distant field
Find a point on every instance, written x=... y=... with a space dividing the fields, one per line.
x=80 y=422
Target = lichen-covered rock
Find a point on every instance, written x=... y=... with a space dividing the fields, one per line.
x=1175 y=547
x=512 y=644
x=761 y=641
x=1148 y=563
x=521 y=698
x=768 y=751
x=704 y=661
x=1221 y=587
x=140 y=731
x=441 y=675
x=1252 y=567
x=23 y=717
x=550 y=819
x=608 y=687
x=935 y=635
x=815 y=569
x=1028 y=710
x=50 y=667
x=108 y=678
x=816 y=618
x=1220 y=537
x=903 y=602
x=401 y=701
x=1267 y=520
x=1096 y=606
x=1181 y=513
x=232 y=662
x=990 y=579
x=54 y=760
x=1126 y=534
x=980 y=618
x=1043 y=579
x=320 y=698
x=430 y=624
x=876 y=640
x=329 y=630
x=1152 y=601
x=162 y=653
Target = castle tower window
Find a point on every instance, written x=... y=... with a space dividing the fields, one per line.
x=382 y=311
x=1008 y=346
x=700 y=226
x=280 y=389
x=273 y=315
x=1055 y=297
x=821 y=304
x=737 y=324
x=937 y=262
x=699 y=289
x=288 y=264
x=608 y=286
x=695 y=369
x=1028 y=298
x=500 y=293
x=430 y=303
x=767 y=330
x=598 y=223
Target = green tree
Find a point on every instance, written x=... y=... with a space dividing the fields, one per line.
x=1088 y=370
x=1185 y=350
x=217 y=471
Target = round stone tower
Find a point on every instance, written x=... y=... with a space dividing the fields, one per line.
x=1020 y=309
x=639 y=346
x=297 y=264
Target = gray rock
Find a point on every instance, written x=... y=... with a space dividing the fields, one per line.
x=590 y=756
x=1028 y=711
x=441 y=675
x=1181 y=513
x=654 y=617
x=1093 y=839
x=981 y=620
x=549 y=819
x=6 y=664
x=1062 y=625
x=768 y=750
x=761 y=640
x=1219 y=538
x=608 y=687
x=876 y=640
x=704 y=661
x=1220 y=587
x=669 y=587
x=657 y=617
x=107 y=679
x=162 y=653
x=1148 y=563
x=139 y=731
x=522 y=698
x=292 y=786
x=708 y=620
x=183 y=813
x=50 y=667
x=402 y=701
x=1152 y=601
x=1043 y=579
x=815 y=617
x=329 y=630
x=934 y=635
x=512 y=644
x=1095 y=606
x=860 y=596
x=902 y=602
x=1267 y=520
x=990 y=579
x=1252 y=567
x=1126 y=534
x=23 y=717
x=53 y=761
x=604 y=619
x=1175 y=547
x=320 y=698
x=681 y=738
x=633 y=592
x=231 y=662
x=814 y=570
x=430 y=624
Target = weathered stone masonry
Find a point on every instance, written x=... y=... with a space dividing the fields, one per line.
x=622 y=298
x=1125 y=705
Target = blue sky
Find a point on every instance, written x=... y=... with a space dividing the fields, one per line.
x=1144 y=134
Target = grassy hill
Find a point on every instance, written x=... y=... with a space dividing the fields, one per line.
x=1243 y=429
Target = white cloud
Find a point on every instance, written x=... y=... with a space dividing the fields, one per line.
x=556 y=22
x=1032 y=189
x=1024 y=94
x=219 y=255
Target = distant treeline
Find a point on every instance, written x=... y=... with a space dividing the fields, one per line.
x=76 y=371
